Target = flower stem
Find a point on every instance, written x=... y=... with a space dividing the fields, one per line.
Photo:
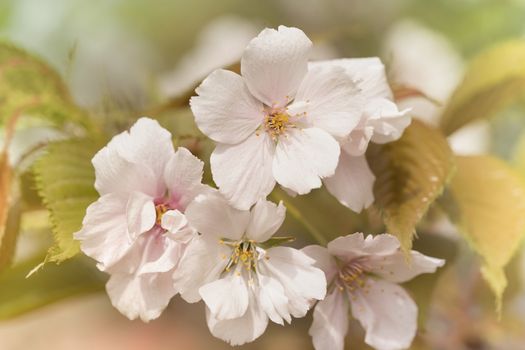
x=296 y=213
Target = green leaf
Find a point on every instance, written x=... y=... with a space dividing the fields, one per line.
x=9 y=235
x=52 y=283
x=65 y=180
x=488 y=206
x=410 y=174
x=30 y=86
x=494 y=80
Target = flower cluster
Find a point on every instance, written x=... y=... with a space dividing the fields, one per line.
x=158 y=231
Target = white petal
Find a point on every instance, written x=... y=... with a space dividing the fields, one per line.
x=395 y=267
x=330 y=323
x=225 y=110
x=161 y=254
x=243 y=172
x=332 y=100
x=116 y=174
x=303 y=157
x=227 y=298
x=353 y=182
x=104 y=235
x=203 y=262
x=303 y=283
x=266 y=218
x=356 y=245
x=173 y=220
x=183 y=175
x=273 y=300
x=274 y=63
x=357 y=142
x=134 y=160
x=210 y=214
x=323 y=260
x=140 y=213
x=144 y=296
x=240 y=330
x=387 y=121
x=368 y=72
x=387 y=313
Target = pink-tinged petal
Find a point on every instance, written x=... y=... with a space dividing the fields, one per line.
x=274 y=64
x=303 y=283
x=368 y=72
x=140 y=214
x=224 y=109
x=387 y=121
x=173 y=220
x=273 y=300
x=183 y=175
x=387 y=313
x=357 y=142
x=144 y=296
x=353 y=182
x=226 y=298
x=323 y=260
x=239 y=331
x=203 y=261
x=104 y=235
x=116 y=174
x=331 y=100
x=243 y=172
x=395 y=267
x=330 y=323
x=266 y=218
x=210 y=214
x=303 y=158
x=356 y=245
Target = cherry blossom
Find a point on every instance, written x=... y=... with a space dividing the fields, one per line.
x=278 y=122
x=243 y=279
x=137 y=230
x=363 y=274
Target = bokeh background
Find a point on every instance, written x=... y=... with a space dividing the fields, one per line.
x=122 y=58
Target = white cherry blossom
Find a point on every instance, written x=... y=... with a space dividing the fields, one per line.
x=279 y=121
x=363 y=275
x=137 y=230
x=381 y=122
x=243 y=282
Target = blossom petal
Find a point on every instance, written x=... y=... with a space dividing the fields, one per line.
x=210 y=214
x=239 y=331
x=323 y=260
x=144 y=296
x=395 y=267
x=140 y=213
x=183 y=175
x=226 y=298
x=303 y=157
x=387 y=121
x=357 y=142
x=331 y=100
x=356 y=245
x=273 y=300
x=134 y=160
x=303 y=283
x=224 y=109
x=353 y=182
x=330 y=323
x=266 y=218
x=243 y=172
x=203 y=262
x=274 y=63
x=104 y=235
x=369 y=73
x=387 y=313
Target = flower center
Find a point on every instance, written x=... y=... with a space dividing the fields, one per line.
x=245 y=254
x=352 y=276
x=161 y=209
x=276 y=123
